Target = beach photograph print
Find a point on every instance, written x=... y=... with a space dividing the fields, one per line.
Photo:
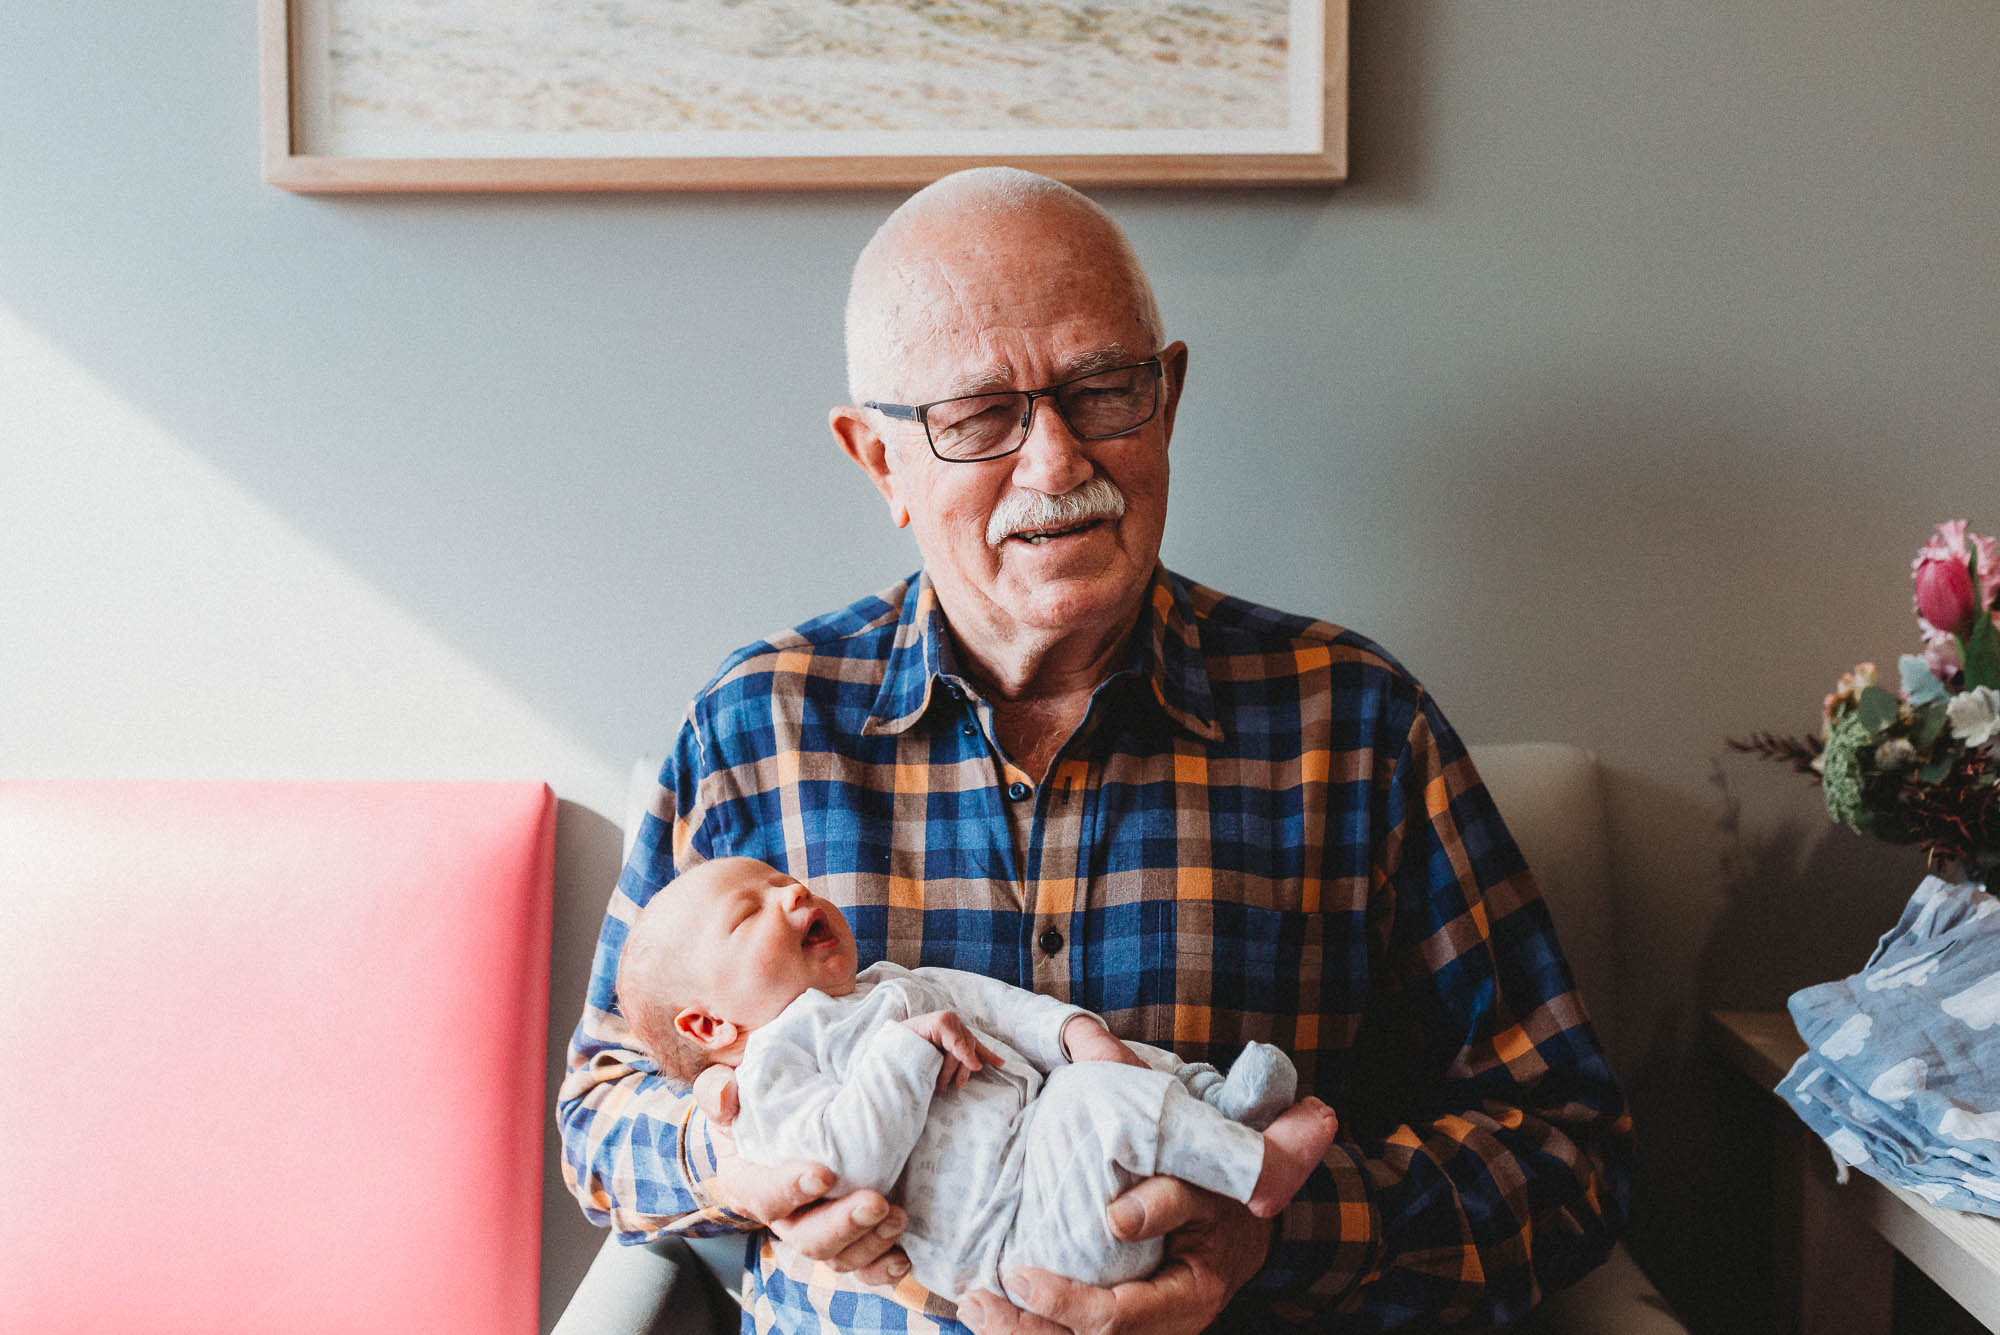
x=805 y=78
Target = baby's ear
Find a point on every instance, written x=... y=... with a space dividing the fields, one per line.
x=705 y=1030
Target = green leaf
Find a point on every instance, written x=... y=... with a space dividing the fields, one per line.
x=1920 y=683
x=1980 y=651
x=1931 y=720
x=1878 y=709
x=1936 y=770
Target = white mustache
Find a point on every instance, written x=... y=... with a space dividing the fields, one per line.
x=1038 y=511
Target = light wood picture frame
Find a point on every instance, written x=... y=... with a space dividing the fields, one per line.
x=483 y=95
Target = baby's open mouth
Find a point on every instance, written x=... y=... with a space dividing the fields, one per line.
x=818 y=934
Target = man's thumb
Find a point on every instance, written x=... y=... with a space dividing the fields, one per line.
x=715 y=1095
x=1151 y=1208
x=766 y=1193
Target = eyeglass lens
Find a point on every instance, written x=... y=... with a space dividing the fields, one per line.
x=1094 y=407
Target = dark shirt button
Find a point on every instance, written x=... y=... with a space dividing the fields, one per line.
x=1018 y=790
x=1051 y=941
x=969 y=729
x=956 y=691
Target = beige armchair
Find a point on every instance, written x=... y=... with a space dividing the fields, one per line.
x=1550 y=796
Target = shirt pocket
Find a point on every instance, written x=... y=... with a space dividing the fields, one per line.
x=1241 y=972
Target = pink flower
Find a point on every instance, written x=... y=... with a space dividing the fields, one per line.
x=1944 y=593
x=1941 y=652
x=1945 y=601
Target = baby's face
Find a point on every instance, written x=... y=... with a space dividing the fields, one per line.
x=763 y=939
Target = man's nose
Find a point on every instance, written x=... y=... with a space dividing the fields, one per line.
x=1051 y=458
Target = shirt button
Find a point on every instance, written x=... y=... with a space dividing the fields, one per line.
x=1018 y=790
x=969 y=729
x=1051 y=941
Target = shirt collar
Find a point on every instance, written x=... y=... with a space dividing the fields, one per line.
x=1165 y=654
x=916 y=660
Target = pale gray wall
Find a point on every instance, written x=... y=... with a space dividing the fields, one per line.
x=1614 y=394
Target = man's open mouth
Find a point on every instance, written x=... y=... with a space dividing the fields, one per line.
x=1040 y=536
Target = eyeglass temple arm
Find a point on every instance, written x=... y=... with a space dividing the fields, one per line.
x=908 y=412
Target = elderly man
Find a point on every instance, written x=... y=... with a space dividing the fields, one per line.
x=1049 y=759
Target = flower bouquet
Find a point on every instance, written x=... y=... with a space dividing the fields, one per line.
x=1917 y=764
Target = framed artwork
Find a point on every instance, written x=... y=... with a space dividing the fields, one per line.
x=411 y=95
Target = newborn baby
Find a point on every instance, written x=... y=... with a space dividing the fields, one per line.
x=1003 y=1121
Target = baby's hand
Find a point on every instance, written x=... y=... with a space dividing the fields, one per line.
x=963 y=1053
x=1086 y=1040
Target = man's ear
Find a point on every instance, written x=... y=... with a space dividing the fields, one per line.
x=705 y=1030
x=862 y=443
x=1173 y=362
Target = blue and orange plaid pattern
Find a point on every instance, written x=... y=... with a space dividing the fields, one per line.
x=1264 y=829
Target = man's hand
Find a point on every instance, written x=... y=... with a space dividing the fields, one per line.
x=715 y=1095
x=1214 y=1246
x=963 y=1052
x=856 y=1232
x=1085 y=1039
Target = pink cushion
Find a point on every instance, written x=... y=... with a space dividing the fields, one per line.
x=271 y=1056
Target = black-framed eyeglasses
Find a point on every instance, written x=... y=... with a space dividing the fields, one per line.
x=975 y=427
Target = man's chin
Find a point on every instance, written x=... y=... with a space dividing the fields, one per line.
x=1084 y=601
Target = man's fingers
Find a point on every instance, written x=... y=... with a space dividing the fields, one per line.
x=989 y=1314
x=715 y=1094
x=876 y=1245
x=1064 y=1303
x=1176 y=1299
x=765 y=1193
x=1154 y=1207
x=887 y=1268
x=847 y=1233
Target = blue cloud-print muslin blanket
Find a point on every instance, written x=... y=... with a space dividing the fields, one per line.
x=1901 y=1076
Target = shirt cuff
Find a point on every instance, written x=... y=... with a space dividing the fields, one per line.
x=698 y=1164
x=1070 y=1013
x=697 y=1152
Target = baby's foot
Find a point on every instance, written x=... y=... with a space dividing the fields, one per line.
x=1262 y=1083
x=1294 y=1145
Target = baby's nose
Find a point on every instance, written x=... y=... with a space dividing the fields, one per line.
x=793 y=895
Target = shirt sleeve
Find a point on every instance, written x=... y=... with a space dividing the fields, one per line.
x=1028 y=1022
x=636 y=1149
x=860 y=1122
x=1484 y=1153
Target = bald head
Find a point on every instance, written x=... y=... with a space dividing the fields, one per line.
x=911 y=282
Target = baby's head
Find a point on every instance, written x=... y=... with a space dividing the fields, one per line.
x=721 y=950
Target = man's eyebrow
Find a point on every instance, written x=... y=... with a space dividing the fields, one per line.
x=992 y=380
x=998 y=379
x=1100 y=359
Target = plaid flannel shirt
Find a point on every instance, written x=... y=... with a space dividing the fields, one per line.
x=1263 y=829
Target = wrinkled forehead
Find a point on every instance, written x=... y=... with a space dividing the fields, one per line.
x=947 y=283
x=965 y=291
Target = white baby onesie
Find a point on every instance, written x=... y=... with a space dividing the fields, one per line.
x=1015 y=1168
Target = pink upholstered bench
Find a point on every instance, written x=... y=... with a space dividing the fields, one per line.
x=271 y=1057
